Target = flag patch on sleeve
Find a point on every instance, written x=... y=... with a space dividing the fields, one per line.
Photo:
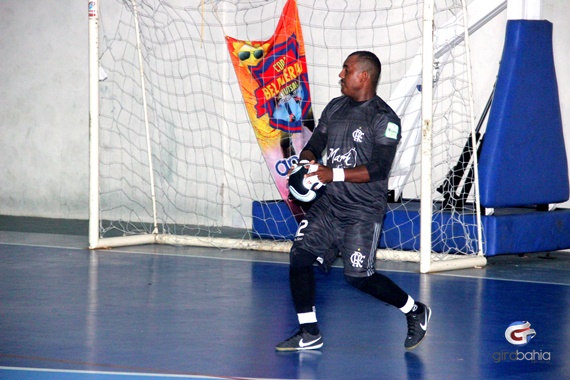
x=392 y=131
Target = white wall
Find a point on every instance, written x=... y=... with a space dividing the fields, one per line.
x=44 y=100
x=43 y=108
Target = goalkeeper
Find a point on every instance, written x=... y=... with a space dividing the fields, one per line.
x=359 y=133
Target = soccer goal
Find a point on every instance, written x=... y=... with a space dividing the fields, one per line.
x=173 y=155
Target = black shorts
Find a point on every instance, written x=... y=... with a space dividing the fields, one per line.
x=325 y=233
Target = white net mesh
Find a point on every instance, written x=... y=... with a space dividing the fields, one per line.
x=208 y=168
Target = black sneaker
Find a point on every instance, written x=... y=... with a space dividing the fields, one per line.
x=418 y=320
x=301 y=341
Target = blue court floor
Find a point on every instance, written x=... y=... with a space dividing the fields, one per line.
x=163 y=312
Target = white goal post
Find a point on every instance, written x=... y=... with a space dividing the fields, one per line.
x=173 y=157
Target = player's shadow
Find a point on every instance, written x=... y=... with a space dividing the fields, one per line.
x=414 y=366
x=308 y=362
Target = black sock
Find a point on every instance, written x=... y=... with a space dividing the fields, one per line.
x=302 y=281
x=311 y=328
x=380 y=287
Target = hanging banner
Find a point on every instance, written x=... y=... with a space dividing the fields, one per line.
x=274 y=83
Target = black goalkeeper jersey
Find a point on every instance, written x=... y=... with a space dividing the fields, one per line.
x=351 y=134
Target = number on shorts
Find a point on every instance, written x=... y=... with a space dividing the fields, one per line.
x=302 y=225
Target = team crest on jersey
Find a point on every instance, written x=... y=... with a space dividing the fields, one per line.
x=392 y=131
x=357 y=259
x=357 y=135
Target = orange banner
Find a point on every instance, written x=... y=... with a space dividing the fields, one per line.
x=274 y=83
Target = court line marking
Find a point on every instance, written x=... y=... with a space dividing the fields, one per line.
x=266 y=261
x=129 y=374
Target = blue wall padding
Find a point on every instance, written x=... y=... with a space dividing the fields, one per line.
x=508 y=231
x=273 y=220
x=520 y=230
x=523 y=158
x=401 y=230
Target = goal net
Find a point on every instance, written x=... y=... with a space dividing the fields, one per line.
x=174 y=157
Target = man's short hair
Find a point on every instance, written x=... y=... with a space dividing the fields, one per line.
x=370 y=63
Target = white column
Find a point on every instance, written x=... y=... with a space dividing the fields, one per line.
x=524 y=9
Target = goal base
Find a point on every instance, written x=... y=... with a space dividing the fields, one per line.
x=195 y=241
x=438 y=263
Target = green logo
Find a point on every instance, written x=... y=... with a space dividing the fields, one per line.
x=392 y=131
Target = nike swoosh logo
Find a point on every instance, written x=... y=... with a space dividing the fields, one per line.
x=424 y=325
x=303 y=344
